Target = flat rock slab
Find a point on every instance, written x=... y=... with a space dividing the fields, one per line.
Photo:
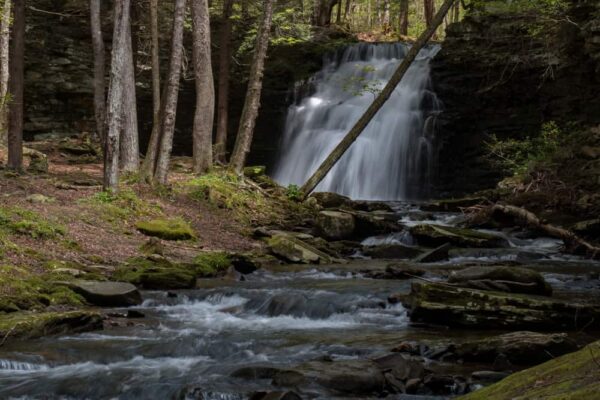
x=437 y=235
x=107 y=294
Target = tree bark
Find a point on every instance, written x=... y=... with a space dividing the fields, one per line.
x=252 y=103
x=386 y=15
x=429 y=11
x=323 y=9
x=16 y=87
x=116 y=91
x=404 y=17
x=223 y=92
x=129 y=143
x=205 y=88
x=169 y=107
x=379 y=101
x=4 y=66
x=149 y=164
x=338 y=17
x=99 y=68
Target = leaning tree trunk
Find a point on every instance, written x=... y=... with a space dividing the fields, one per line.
x=16 y=86
x=116 y=89
x=205 y=88
x=99 y=68
x=379 y=101
x=404 y=17
x=169 y=108
x=149 y=164
x=4 y=65
x=129 y=146
x=223 y=92
x=252 y=103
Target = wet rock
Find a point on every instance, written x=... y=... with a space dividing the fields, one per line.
x=437 y=235
x=156 y=273
x=255 y=372
x=295 y=250
x=489 y=376
x=391 y=251
x=439 y=384
x=335 y=225
x=452 y=205
x=413 y=385
x=397 y=298
x=106 y=294
x=589 y=228
x=373 y=224
x=395 y=271
x=33 y=325
x=396 y=385
x=330 y=199
x=362 y=205
x=288 y=395
x=519 y=348
x=401 y=366
x=244 y=264
x=504 y=279
x=438 y=254
x=456 y=306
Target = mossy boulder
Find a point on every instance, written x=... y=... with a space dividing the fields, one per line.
x=441 y=303
x=211 y=263
x=437 y=235
x=330 y=199
x=156 y=273
x=106 y=294
x=167 y=229
x=26 y=325
x=504 y=279
x=295 y=250
x=335 y=225
x=574 y=376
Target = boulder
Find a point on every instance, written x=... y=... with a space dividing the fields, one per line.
x=437 y=235
x=519 y=348
x=156 y=273
x=438 y=254
x=330 y=199
x=335 y=225
x=295 y=250
x=395 y=271
x=391 y=251
x=504 y=279
x=167 y=229
x=452 y=205
x=106 y=294
x=455 y=306
x=374 y=223
x=26 y=325
x=287 y=395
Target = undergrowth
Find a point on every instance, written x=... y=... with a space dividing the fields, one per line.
x=120 y=206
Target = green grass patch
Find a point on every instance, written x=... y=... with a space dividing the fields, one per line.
x=121 y=206
x=19 y=221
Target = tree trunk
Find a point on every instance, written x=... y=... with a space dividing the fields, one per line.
x=386 y=15
x=404 y=17
x=205 y=88
x=169 y=107
x=116 y=91
x=338 y=17
x=99 y=68
x=149 y=165
x=429 y=11
x=347 y=9
x=252 y=103
x=224 y=66
x=379 y=101
x=323 y=9
x=456 y=12
x=16 y=86
x=4 y=65
x=129 y=144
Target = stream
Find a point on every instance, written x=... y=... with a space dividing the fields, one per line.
x=281 y=316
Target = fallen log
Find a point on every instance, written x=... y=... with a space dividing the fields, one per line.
x=573 y=243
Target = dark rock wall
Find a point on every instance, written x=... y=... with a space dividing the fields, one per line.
x=506 y=73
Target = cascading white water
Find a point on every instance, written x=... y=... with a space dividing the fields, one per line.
x=392 y=159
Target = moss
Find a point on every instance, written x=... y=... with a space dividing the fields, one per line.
x=211 y=264
x=18 y=221
x=168 y=229
x=254 y=171
x=121 y=206
x=156 y=273
x=31 y=325
x=570 y=377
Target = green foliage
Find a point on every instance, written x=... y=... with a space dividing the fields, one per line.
x=19 y=221
x=293 y=192
x=210 y=264
x=520 y=156
x=120 y=206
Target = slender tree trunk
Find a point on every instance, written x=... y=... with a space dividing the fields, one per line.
x=4 y=65
x=99 y=67
x=205 y=88
x=129 y=144
x=379 y=101
x=169 y=109
x=404 y=17
x=16 y=87
x=116 y=89
x=149 y=165
x=456 y=12
x=429 y=11
x=243 y=141
x=386 y=15
x=378 y=11
x=347 y=9
x=224 y=67
x=338 y=17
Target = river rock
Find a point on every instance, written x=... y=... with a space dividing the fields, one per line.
x=330 y=199
x=255 y=372
x=470 y=308
x=437 y=235
x=296 y=251
x=106 y=294
x=504 y=279
x=452 y=205
x=519 y=348
x=438 y=254
x=348 y=376
x=374 y=223
x=335 y=225
x=287 y=395
x=391 y=251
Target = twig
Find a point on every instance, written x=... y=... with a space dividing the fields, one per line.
x=53 y=13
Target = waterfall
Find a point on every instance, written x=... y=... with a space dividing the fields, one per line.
x=393 y=158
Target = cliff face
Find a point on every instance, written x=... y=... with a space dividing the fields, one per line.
x=505 y=73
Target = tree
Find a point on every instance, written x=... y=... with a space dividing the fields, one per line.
x=116 y=89
x=169 y=105
x=129 y=143
x=252 y=102
x=205 y=88
x=5 y=13
x=16 y=87
x=379 y=101
x=224 y=73
x=429 y=10
x=403 y=17
x=322 y=14
x=99 y=67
